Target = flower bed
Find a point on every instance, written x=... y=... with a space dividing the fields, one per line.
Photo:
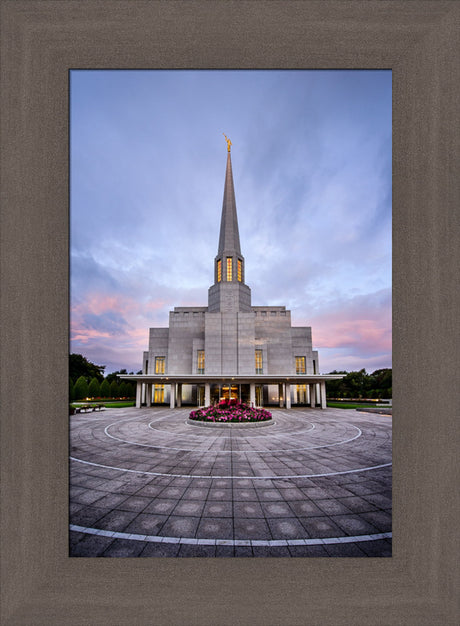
x=230 y=412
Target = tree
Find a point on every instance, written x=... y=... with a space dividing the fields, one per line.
x=114 y=393
x=105 y=388
x=124 y=390
x=80 y=366
x=94 y=390
x=71 y=390
x=81 y=388
x=114 y=375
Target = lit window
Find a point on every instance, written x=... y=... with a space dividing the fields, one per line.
x=259 y=362
x=229 y=268
x=159 y=393
x=240 y=270
x=159 y=365
x=300 y=365
x=302 y=394
x=200 y=362
x=219 y=271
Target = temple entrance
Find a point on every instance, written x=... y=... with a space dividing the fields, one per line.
x=159 y=394
x=230 y=392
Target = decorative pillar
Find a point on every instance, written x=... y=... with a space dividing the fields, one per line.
x=252 y=394
x=323 y=395
x=148 y=394
x=280 y=394
x=143 y=394
x=287 y=395
x=207 y=394
x=179 y=394
x=138 y=394
x=172 y=399
x=313 y=396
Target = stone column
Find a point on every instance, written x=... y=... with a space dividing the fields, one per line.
x=323 y=395
x=313 y=396
x=179 y=394
x=207 y=394
x=287 y=395
x=280 y=394
x=143 y=394
x=138 y=394
x=318 y=392
x=252 y=394
x=148 y=394
x=172 y=399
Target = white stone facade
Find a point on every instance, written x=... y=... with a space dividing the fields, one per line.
x=230 y=337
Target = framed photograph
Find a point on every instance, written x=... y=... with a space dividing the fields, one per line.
x=41 y=43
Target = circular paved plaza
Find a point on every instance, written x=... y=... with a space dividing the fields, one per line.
x=144 y=482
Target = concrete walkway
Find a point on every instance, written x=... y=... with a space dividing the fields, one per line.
x=144 y=483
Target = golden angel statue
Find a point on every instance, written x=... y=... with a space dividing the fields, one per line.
x=229 y=143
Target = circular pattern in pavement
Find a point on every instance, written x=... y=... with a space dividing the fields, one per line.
x=145 y=482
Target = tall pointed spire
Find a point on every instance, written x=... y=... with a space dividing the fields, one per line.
x=229 y=239
x=229 y=292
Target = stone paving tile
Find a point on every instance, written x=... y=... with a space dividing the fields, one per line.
x=134 y=503
x=321 y=527
x=332 y=507
x=345 y=550
x=382 y=520
x=379 y=547
x=146 y=524
x=308 y=551
x=124 y=548
x=162 y=506
x=247 y=509
x=225 y=551
x=115 y=520
x=246 y=528
x=215 y=528
x=269 y=494
x=244 y=495
x=160 y=549
x=177 y=526
x=197 y=551
x=354 y=525
x=286 y=527
x=91 y=545
x=88 y=516
x=276 y=509
x=357 y=505
x=218 y=508
x=189 y=507
x=275 y=551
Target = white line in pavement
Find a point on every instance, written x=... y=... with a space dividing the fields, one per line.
x=280 y=477
x=228 y=542
x=145 y=445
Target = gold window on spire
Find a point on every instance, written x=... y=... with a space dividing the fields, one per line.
x=240 y=270
x=229 y=269
x=219 y=271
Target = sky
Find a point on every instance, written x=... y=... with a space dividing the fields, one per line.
x=311 y=158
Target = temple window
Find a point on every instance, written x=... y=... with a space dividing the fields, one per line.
x=159 y=365
x=240 y=270
x=259 y=362
x=300 y=365
x=229 y=268
x=219 y=271
x=200 y=362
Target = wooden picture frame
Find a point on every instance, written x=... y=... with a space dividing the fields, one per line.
x=41 y=41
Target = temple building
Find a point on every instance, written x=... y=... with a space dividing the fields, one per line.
x=230 y=348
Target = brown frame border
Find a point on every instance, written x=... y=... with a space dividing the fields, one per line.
x=41 y=40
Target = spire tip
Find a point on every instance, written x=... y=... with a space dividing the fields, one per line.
x=229 y=143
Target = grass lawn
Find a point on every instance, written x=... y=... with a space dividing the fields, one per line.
x=107 y=403
x=352 y=405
